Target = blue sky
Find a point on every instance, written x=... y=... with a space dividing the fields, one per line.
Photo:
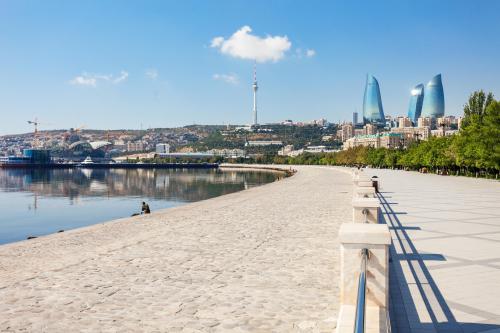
x=120 y=64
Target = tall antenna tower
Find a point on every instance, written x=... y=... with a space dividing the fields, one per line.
x=255 y=88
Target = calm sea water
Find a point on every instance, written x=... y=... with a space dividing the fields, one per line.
x=40 y=202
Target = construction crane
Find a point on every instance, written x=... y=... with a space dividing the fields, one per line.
x=73 y=131
x=35 y=122
x=79 y=128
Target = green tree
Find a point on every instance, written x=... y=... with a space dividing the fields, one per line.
x=476 y=147
x=475 y=108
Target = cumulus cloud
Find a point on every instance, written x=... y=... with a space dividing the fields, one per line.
x=310 y=53
x=92 y=79
x=152 y=74
x=242 y=44
x=228 y=78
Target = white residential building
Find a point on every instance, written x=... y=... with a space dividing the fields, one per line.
x=163 y=148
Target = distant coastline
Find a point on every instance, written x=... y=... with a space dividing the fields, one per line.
x=113 y=166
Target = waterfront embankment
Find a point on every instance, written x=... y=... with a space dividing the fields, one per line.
x=260 y=260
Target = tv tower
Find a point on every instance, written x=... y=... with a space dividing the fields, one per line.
x=255 y=88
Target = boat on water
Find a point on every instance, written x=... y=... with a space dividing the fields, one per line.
x=85 y=162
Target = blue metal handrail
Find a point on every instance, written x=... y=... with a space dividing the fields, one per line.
x=360 y=319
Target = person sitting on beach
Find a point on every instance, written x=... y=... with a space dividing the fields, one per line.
x=145 y=208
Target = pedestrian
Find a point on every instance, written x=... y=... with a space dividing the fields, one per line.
x=145 y=208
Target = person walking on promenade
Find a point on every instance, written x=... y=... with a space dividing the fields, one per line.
x=145 y=208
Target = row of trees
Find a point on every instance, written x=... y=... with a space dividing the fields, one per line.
x=475 y=150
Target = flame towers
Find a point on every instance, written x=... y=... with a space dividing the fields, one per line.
x=373 y=112
x=433 y=105
x=416 y=100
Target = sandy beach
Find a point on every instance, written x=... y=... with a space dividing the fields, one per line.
x=259 y=260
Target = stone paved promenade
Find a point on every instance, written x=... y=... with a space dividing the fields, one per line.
x=445 y=270
x=261 y=260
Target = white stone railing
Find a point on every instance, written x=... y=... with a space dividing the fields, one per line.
x=364 y=234
x=365 y=210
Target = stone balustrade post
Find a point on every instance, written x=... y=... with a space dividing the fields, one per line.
x=362 y=180
x=354 y=237
x=365 y=210
x=364 y=192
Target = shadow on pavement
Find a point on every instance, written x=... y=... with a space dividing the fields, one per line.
x=416 y=303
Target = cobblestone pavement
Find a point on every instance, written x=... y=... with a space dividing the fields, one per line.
x=445 y=270
x=260 y=260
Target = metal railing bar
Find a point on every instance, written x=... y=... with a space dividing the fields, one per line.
x=360 y=319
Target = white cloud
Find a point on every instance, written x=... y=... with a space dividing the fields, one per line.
x=123 y=76
x=217 y=42
x=84 y=80
x=228 y=78
x=244 y=45
x=310 y=53
x=152 y=74
x=91 y=79
x=299 y=53
x=101 y=76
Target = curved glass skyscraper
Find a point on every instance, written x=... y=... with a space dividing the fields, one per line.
x=416 y=100
x=373 y=112
x=433 y=105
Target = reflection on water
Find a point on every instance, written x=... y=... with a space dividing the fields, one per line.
x=37 y=202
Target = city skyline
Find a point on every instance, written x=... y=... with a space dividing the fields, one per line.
x=169 y=64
